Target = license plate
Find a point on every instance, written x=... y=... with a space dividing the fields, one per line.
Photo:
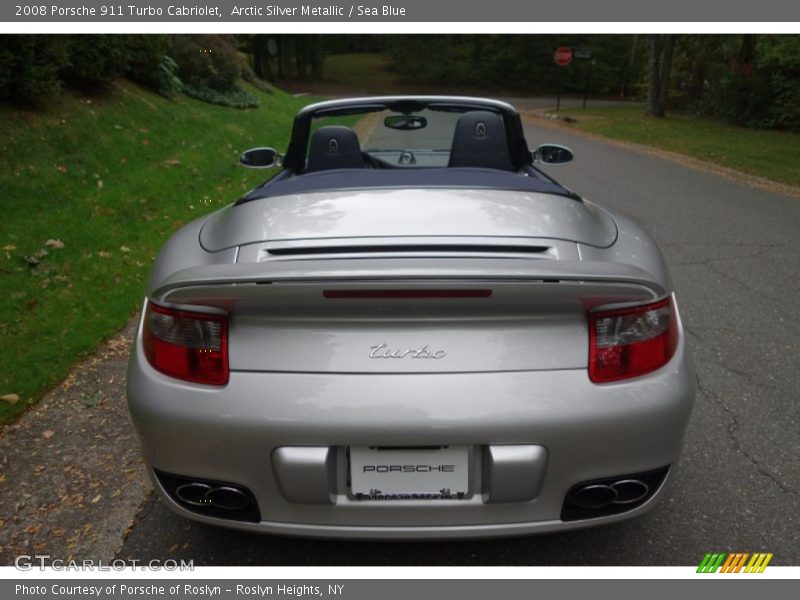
x=409 y=473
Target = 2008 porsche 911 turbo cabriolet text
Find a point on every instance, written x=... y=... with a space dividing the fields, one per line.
x=411 y=331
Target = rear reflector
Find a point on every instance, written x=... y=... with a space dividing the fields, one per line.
x=187 y=345
x=630 y=342
x=400 y=293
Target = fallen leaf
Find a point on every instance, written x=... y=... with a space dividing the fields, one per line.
x=9 y=247
x=172 y=548
x=172 y=162
x=10 y=398
x=95 y=500
x=99 y=184
x=48 y=434
x=124 y=249
x=58 y=532
x=94 y=400
x=61 y=168
x=104 y=254
x=58 y=244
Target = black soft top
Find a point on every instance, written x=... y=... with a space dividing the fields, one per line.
x=529 y=180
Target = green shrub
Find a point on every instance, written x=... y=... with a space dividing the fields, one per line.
x=206 y=61
x=95 y=60
x=30 y=67
x=236 y=97
x=149 y=65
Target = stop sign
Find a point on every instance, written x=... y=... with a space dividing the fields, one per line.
x=563 y=56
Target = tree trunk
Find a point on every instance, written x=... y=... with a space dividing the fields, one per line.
x=317 y=55
x=655 y=72
x=661 y=50
x=666 y=68
x=261 y=58
x=627 y=67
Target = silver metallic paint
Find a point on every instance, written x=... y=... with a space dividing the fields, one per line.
x=589 y=431
x=514 y=375
x=408 y=212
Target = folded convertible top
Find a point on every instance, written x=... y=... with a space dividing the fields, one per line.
x=435 y=177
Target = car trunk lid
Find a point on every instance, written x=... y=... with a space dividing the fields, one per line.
x=420 y=213
x=407 y=315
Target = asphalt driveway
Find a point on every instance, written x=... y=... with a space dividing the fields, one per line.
x=734 y=258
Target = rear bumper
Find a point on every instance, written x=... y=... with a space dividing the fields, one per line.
x=588 y=431
x=411 y=532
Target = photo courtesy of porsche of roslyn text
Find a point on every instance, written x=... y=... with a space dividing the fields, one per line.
x=356 y=295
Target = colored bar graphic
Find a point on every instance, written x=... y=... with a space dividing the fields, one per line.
x=759 y=562
x=711 y=562
x=734 y=562
x=741 y=562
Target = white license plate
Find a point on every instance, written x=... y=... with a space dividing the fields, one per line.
x=409 y=473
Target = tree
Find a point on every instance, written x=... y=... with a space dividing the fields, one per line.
x=628 y=66
x=261 y=57
x=661 y=49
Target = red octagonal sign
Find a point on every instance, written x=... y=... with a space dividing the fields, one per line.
x=563 y=56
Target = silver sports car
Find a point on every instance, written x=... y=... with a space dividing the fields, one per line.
x=411 y=331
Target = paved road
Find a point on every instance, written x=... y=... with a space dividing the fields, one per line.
x=734 y=259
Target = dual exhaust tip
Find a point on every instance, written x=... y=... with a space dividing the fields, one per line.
x=217 y=499
x=600 y=495
x=202 y=494
x=592 y=496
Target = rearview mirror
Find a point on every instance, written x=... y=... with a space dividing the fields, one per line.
x=405 y=122
x=260 y=158
x=552 y=154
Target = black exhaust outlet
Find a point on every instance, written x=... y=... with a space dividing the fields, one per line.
x=220 y=499
x=630 y=491
x=593 y=496
x=611 y=495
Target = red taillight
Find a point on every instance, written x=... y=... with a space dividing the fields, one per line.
x=633 y=341
x=187 y=345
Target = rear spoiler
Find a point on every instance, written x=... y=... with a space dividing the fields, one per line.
x=184 y=284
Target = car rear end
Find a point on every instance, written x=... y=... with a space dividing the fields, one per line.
x=409 y=388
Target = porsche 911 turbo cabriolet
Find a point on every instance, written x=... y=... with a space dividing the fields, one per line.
x=410 y=331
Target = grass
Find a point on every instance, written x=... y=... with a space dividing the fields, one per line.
x=774 y=155
x=109 y=178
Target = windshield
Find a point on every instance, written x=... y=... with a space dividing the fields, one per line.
x=418 y=139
